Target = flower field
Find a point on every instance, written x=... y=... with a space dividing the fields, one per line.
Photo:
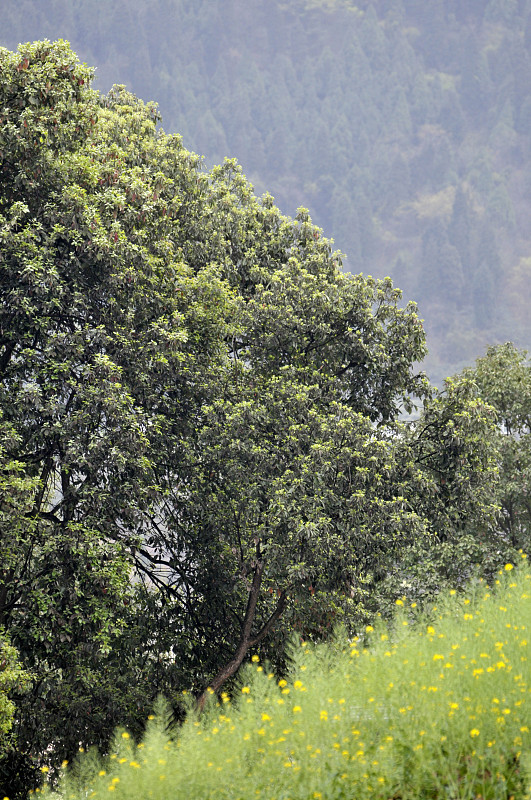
x=436 y=707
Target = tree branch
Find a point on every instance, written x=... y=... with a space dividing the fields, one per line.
x=269 y=625
x=233 y=665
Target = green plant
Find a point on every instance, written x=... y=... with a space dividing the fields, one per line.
x=12 y=676
x=428 y=707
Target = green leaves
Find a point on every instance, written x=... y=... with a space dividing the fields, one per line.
x=12 y=677
x=201 y=417
x=503 y=379
x=108 y=341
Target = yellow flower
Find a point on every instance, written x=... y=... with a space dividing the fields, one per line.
x=399 y=602
x=255 y=659
x=265 y=717
x=509 y=567
x=245 y=690
x=369 y=628
x=125 y=735
x=297 y=685
x=474 y=732
x=282 y=683
x=323 y=715
x=101 y=772
x=45 y=769
x=296 y=709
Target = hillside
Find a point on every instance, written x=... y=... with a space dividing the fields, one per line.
x=403 y=126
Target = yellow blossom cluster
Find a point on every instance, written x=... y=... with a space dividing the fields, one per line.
x=440 y=704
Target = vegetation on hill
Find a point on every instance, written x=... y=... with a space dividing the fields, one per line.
x=203 y=445
x=403 y=126
x=433 y=707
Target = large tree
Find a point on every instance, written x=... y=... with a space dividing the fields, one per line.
x=203 y=408
x=109 y=335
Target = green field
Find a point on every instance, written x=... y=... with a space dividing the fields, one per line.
x=432 y=707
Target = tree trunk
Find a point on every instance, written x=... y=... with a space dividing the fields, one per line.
x=246 y=639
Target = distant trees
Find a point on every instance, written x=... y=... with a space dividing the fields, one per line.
x=442 y=281
x=317 y=99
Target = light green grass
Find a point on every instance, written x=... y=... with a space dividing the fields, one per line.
x=437 y=708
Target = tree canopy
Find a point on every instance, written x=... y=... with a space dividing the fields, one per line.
x=503 y=378
x=201 y=418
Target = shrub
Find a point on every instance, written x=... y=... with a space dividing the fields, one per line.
x=12 y=676
x=428 y=707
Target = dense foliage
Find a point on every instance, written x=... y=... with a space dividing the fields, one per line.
x=202 y=436
x=503 y=378
x=98 y=339
x=403 y=125
x=12 y=676
x=430 y=707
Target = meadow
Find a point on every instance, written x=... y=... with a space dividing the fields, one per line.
x=433 y=706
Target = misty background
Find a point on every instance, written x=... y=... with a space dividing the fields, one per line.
x=403 y=126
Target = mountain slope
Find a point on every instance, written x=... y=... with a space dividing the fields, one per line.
x=403 y=126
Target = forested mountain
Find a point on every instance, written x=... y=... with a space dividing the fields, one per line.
x=403 y=126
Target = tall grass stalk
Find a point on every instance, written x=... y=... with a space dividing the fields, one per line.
x=426 y=708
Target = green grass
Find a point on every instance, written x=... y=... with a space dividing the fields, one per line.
x=436 y=708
